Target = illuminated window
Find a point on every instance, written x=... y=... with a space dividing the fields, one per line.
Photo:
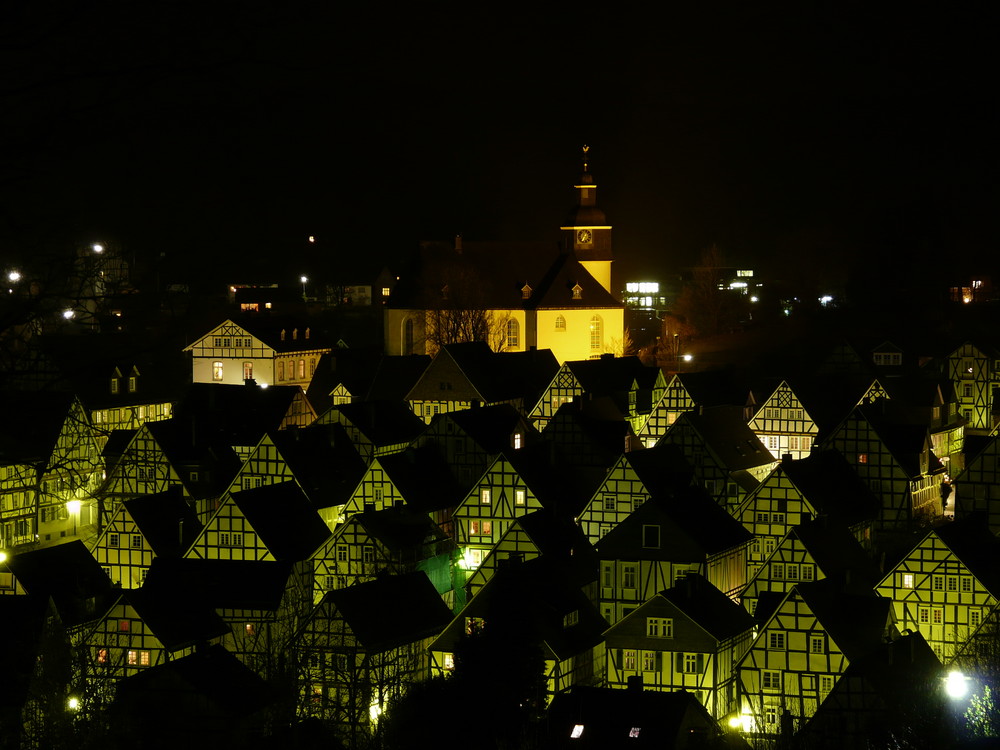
x=907 y=580
x=659 y=627
x=629 y=660
x=102 y=656
x=385 y=291
x=248 y=628
x=247 y=370
x=136 y=541
x=634 y=732
x=133 y=658
x=143 y=658
x=770 y=679
x=281 y=370
x=518 y=441
x=576 y=732
x=560 y=323
x=342 y=553
x=596 y=332
x=693 y=663
x=302 y=369
x=520 y=497
x=966 y=585
x=513 y=334
x=485 y=496
x=577 y=291
x=217 y=371
x=132 y=384
x=862 y=458
x=114 y=385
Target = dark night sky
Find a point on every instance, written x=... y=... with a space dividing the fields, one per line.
x=217 y=132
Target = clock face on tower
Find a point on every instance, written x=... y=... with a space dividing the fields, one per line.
x=584 y=237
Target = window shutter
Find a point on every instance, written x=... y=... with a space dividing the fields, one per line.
x=701 y=663
x=679 y=662
x=659 y=661
x=621 y=660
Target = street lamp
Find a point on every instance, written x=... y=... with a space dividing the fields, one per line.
x=73 y=506
x=956 y=685
x=303 y=279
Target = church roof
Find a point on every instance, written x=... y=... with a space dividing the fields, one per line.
x=497 y=275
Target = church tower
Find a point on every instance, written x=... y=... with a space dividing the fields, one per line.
x=587 y=231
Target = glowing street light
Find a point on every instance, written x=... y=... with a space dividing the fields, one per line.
x=68 y=314
x=956 y=685
x=73 y=507
x=73 y=703
x=13 y=276
x=303 y=279
x=687 y=357
x=97 y=247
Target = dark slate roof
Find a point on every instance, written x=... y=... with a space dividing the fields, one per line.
x=491 y=276
x=382 y=422
x=541 y=591
x=178 y=620
x=906 y=442
x=284 y=520
x=240 y=414
x=186 y=447
x=662 y=469
x=584 y=438
x=166 y=521
x=838 y=554
x=664 y=720
x=711 y=388
x=367 y=374
x=491 y=427
x=832 y=486
x=22 y=622
x=323 y=460
x=115 y=446
x=158 y=696
x=555 y=535
x=719 y=615
x=400 y=528
x=38 y=417
x=69 y=574
x=220 y=584
x=424 y=478
x=693 y=525
x=268 y=329
x=610 y=375
x=972 y=542
x=492 y=376
x=726 y=434
x=857 y=623
x=391 y=611
x=561 y=487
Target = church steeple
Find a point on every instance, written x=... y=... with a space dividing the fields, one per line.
x=588 y=233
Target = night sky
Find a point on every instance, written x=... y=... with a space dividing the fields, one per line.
x=801 y=140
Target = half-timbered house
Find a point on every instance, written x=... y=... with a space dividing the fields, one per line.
x=141 y=529
x=50 y=469
x=784 y=424
x=728 y=459
x=687 y=637
x=814 y=550
x=974 y=370
x=376 y=428
x=796 y=491
x=467 y=375
x=665 y=539
x=270 y=351
x=807 y=639
x=393 y=541
x=896 y=460
x=630 y=386
x=633 y=479
x=947 y=585
x=271 y=522
x=363 y=645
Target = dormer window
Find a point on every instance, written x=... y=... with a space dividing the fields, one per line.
x=307 y=333
x=114 y=385
x=133 y=383
x=282 y=334
x=577 y=291
x=295 y=334
x=525 y=292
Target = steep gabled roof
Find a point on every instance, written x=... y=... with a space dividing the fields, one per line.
x=219 y=584
x=166 y=521
x=177 y=620
x=39 y=418
x=285 y=521
x=832 y=487
x=323 y=460
x=978 y=548
x=391 y=611
x=727 y=435
x=424 y=478
x=239 y=413
x=381 y=422
x=858 y=624
x=399 y=528
x=837 y=553
x=490 y=427
x=715 y=612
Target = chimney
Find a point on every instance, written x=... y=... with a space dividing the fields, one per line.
x=786 y=458
x=458 y=244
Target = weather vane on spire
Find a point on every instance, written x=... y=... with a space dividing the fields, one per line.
x=585 y=150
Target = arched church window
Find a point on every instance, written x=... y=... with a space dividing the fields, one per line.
x=560 y=323
x=513 y=334
x=596 y=332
